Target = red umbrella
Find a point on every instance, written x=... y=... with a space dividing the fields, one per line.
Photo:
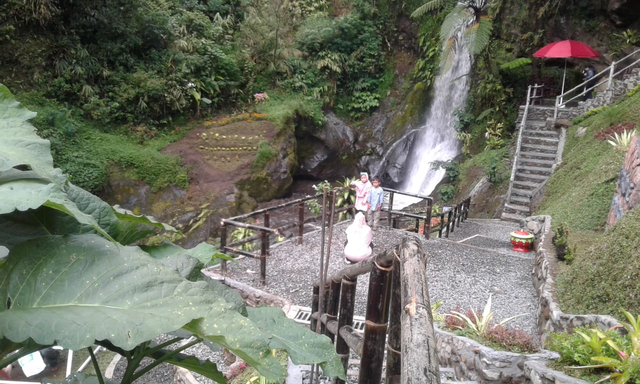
x=566 y=49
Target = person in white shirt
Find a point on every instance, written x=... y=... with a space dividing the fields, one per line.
x=363 y=186
x=359 y=237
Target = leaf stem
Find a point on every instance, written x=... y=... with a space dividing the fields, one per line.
x=96 y=367
x=164 y=358
x=162 y=346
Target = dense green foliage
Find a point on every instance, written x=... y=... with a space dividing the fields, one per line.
x=586 y=286
x=71 y=256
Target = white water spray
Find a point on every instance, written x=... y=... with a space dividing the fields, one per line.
x=436 y=140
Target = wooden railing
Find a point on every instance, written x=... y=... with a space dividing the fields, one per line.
x=266 y=233
x=398 y=309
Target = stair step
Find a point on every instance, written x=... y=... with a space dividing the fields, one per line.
x=529 y=186
x=516 y=208
x=520 y=192
x=539 y=148
x=536 y=170
x=530 y=177
x=520 y=200
x=512 y=216
x=540 y=133
x=536 y=162
x=538 y=155
x=540 y=141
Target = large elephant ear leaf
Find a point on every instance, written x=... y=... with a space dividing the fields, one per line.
x=72 y=290
x=302 y=345
x=21 y=148
x=81 y=378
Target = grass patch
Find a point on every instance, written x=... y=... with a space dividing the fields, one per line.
x=492 y=162
x=605 y=277
x=579 y=192
x=84 y=151
x=282 y=109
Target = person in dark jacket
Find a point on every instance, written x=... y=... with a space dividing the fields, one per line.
x=590 y=77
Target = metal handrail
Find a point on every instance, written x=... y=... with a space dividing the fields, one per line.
x=560 y=98
x=519 y=145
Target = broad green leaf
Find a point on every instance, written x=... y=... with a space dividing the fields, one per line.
x=230 y=295
x=206 y=368
x=20 y=146
x=18 y=227
x=72 y=290
x=128 y=216
x=27 y=194
x=176 y=258
x=302 y=345
x=242 y=337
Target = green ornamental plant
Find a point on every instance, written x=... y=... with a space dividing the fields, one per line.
x=480 y=325
x=73 y=278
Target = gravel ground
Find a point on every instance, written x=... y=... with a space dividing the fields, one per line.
x=459 y=274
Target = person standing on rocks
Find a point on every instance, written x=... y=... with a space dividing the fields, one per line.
x=363 y=187
x=374 y=202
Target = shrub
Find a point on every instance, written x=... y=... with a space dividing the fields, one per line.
x=265 y=154
x=607 y=133
x=512 y=339
x=447 y=192
x=560 y=240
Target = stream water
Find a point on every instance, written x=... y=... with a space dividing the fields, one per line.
x=436 y=140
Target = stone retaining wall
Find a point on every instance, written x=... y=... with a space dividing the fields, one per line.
x=473 y=361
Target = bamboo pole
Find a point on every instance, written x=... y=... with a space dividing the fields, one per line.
x=375 y=329
x=354 y=340
x=264 y=251
x=334 y=301
x=427 y=220
x=251 y=226
x=315 y=300
x=419 y=355
x=345 y=317
x=459 y=214
x=441 y=225
x=394 y=343
x=321 y=277
x=453 y=222
x=390 y=209
x=300 y=221
x=223 y=242
x=239 y=251
x=448 y=222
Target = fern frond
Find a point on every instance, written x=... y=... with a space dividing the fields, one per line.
x=517 y=63
x=479 y=34
x=427 y=7
x=452 y=22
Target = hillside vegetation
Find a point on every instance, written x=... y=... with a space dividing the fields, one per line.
x=605 y=274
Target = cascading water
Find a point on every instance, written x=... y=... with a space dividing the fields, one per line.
x=436 y=140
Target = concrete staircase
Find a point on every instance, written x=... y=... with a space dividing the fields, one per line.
x=539 y=152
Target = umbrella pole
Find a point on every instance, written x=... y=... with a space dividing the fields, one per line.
x=564 y=75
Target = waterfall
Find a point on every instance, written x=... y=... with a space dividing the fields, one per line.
x=436 y=140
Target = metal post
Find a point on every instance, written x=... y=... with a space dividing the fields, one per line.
x=300 y=222
x=611 y=72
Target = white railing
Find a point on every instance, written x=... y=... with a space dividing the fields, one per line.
x=523 y=122
x=560 y=102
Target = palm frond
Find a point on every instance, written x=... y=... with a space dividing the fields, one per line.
x=517 y=63
x=449 y=52
x=427 y=7
x=479 y=34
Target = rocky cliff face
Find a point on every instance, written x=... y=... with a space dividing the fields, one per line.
x=624 y=12
x=627 y=194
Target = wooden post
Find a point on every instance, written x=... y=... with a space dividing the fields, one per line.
x=441 y=225
x=418 y=338
x=459 y=213
x=417 y=225
x=375 y=329
x=448 y=222
x=453 y=222
x=394 y=357
x=427 y=220
x=389 y=208
x=345 y=317
x=334 y=300
x=315 y=300
x=324 y=305
x=300 y=222
x=223 y=243
x=264 y=251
